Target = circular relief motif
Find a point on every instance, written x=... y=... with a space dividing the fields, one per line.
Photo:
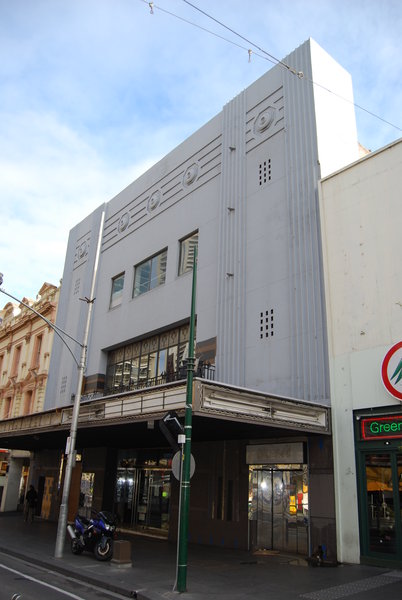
x=82 y=250
x=154 y=201
x=123 y=223
x=264 y=120
x=190 y=174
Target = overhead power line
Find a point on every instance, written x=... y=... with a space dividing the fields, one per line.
x=273 y=58
x=265 y=55
x=152 y=7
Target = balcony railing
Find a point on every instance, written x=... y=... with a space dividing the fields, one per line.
x=202 y=370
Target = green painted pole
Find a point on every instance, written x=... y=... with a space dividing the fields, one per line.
x=185 y=483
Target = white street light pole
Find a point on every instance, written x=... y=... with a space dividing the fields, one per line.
x=70 y=449
x=70 y=446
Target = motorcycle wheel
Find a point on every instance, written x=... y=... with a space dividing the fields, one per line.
x=104 y=551
x=76 y=547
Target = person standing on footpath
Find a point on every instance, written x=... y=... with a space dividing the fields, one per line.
x=30 y=504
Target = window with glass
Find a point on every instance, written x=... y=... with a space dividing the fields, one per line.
x=383 y=492
x=7 y=408
x=150 y=274
x=159 y=359
x=37 y=351
x=16 y=361
x=117 y=290
x=28 y=403
x=186 y=256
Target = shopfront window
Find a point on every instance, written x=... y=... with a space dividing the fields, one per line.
x=278 y=508
x=380 y=501
x=142 y=491
x=400 y=484
x=379 y=470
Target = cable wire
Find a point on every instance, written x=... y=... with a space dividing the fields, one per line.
x=273 y=58
x=153 y=6
x=266 y=55
x=289 y=68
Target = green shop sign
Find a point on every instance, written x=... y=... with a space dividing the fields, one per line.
x=381 y=427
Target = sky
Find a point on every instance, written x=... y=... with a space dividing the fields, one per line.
x=94 y=92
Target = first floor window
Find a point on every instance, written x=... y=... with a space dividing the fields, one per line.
x=36 y=352
x=28 y=403
x=7 y=408
x=117 y=290
x=187 y=247
x=159 y=359
x=150 y=273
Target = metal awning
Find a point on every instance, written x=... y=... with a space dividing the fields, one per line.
x=239 y=408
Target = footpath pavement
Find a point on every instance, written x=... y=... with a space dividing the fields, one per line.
x=212 y=573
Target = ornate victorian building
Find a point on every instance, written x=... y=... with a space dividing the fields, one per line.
x=25 y=346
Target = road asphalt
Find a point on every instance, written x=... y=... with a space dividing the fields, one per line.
x=212 y=572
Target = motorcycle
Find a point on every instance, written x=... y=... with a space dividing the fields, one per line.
x=94 y=535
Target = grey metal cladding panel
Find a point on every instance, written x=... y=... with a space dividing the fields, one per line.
x=192 y=173
x=231 y=255
x=265 y=119
x=308 y=360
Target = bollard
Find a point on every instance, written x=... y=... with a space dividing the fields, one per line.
x=122 y=553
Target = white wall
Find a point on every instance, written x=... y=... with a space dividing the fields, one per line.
x=361 y=221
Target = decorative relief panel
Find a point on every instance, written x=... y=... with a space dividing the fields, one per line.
x=81 y=250
x=265 y=119
x=154 y=201
x=174 y=186
x=190 y=175
x=123 y=222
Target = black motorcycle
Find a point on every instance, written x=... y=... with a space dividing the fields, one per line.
x=94 y=535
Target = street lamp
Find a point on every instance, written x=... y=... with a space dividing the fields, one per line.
x=73 y=431
x=182 y=542
x=70 y=446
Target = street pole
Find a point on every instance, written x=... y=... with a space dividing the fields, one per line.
x=185 y=480
x=182 y=439
x=81 y=367
x=70 y=447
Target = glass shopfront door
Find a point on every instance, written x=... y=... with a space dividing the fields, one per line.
x=382 y=504
x=142 y=498
x=278 y=509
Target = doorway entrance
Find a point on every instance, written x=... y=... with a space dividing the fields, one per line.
x=278 y=508
x=142 y=498
x=381 y=474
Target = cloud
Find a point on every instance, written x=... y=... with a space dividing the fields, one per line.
x=95 y=92
x=48 y=184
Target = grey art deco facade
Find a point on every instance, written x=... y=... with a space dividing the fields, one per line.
x=243 y=189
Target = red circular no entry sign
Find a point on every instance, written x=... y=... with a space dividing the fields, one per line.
x=391 y=371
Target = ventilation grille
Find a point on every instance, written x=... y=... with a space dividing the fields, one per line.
x=264 y=171
x=63 y=386
x=267 y=323
x=77 y=286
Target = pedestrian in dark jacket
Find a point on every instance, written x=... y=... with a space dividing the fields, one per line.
x=30 y=504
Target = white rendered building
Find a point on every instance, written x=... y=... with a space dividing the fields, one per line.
x=361 y=223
